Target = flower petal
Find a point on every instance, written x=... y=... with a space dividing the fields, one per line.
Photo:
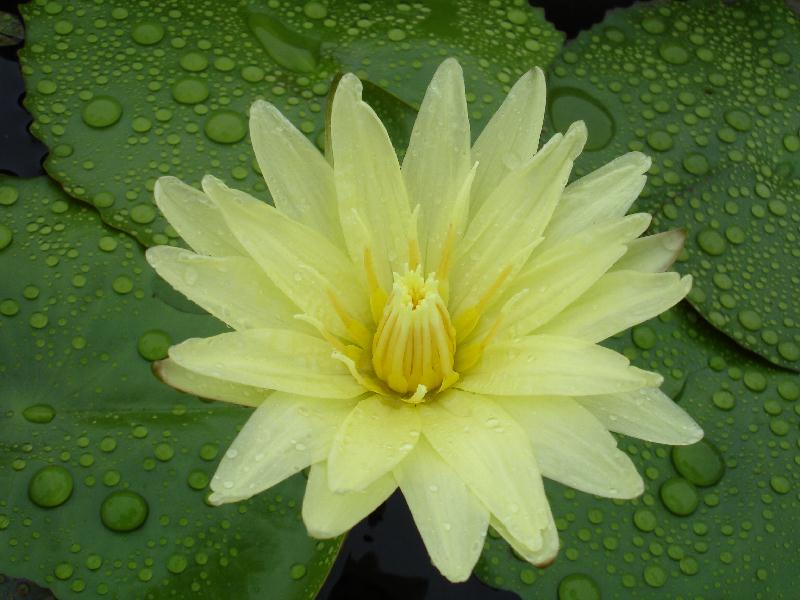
x=648 y=414
x=327 y=514
x=542 y=365
x=278 y=359
x=511 y=136
x=653 y=253
x=374 y=438
x=450 y=519
x=304 y=264
x=212 y=388
x=196 y=218
x=541 y=556
x=232 y=288
x=438 y=158
x=368 y=181
x=515 y=214
x=556 y=277
x=573 y=448
x=299 y=178
x=283 y=436
x=619 y=300
x=491 y=453
x=603 y=195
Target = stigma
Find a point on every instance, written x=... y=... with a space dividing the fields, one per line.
x=414 y=345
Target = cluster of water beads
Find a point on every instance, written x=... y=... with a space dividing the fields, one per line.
x=709 y=94
x=170 y=93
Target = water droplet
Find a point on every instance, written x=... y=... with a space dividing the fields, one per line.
x=39 y=413
x=189 y=91
x=679 y=496
x=147 y=33
x=6 y=236
x=297 y=571
x=578 y=586
x=286 y=47
x=102 y=111
x=177 y=563
x=50 y=486
x=568 y=105
x=154 y=344
x=225 y=126
x=700 y=463
x=124 y=510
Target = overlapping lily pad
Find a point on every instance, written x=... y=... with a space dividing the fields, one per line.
x=711 y=91
x=720 y=518
x=104 y=469
x=125 y=92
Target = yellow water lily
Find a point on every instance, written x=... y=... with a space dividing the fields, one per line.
x=431 y=326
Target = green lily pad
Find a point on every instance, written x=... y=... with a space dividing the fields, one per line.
x=105 y=469
x=710 y=90
x=718 y=519
x=125 y=92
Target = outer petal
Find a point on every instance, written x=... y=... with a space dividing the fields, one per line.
x=491 y=453
x=196 y=218
x=617 y=301
x=283 y=436
x=653 y=253
x=542 y=365
x=327 y=514
x=450 y=519
x=648 y=414
x=602 y=195
x=515 y=214
x=307 y=267
x=212 y=388
x=277 y=359
x=511 y=136
x=438 y=158
x=572 y=447
x=540 y=556
x=299 y=178
x=232 y=288
x=369 y=185
x=373 y=439
x=558 y=276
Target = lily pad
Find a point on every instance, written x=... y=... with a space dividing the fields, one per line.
x=125 y=92
x=720 y=518
x=105 y=469
x=711 y=91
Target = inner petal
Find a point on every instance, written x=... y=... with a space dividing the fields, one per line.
x=414 y=344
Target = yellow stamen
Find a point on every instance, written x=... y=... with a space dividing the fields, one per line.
x=414 y=344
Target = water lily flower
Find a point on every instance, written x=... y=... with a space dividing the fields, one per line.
x=432 y=326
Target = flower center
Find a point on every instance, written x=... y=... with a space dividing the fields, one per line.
x=414 y=345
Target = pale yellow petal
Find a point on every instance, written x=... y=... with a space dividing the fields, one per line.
x=556 y=277
x=369 y=184
x=303 y=263
x=232 y=288
x=647 y=414
x=438 y=158
x=283 y=436
x=375 y=437
x=299 y=178
x=619 y=299
x=196 y=218
x=511 y=136
x=278 y=359
x=541 y=365
x=603 y=195
x=491 y=453
x=573 y=448
x=327 y=514
x=515 y=214
x=450 y=519
x=653 y=253
x=204 y=386
x=542 y=555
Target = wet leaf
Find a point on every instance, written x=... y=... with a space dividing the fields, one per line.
x=11 y=30
x=710 y=90
x=105 y=469
x=126 y=92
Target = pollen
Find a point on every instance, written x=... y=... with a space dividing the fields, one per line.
x=413 y=349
